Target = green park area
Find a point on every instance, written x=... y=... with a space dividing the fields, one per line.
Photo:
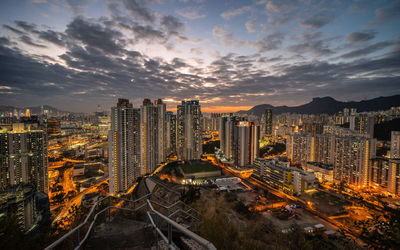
x=191 y=167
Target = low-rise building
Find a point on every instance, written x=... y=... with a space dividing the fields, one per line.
x=281 y=176
x=323 y=172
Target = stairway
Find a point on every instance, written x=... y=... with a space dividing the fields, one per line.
x=122 y=233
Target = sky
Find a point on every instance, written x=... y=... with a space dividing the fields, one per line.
x=231 y=55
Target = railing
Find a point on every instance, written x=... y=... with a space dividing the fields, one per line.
x=170 y=223
x=92 y=218
x=154 y=216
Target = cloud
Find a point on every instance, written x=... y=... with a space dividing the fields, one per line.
x=281 y=5
x=196 y=51
x=25 y=26
x=316 y=48
x=386 y=14
x=190 y=13
x=138 y=11
x=251 y=26
x=95 y=35
x=232 y=13
x=172 y=24
x=361 y=36
x=16 y=31
x=367 y=50
x=226 y=37
x=76 y=6
x=271 y=42
x=316 y=21
x=27 y=40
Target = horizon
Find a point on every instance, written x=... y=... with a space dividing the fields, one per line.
x=218 y=109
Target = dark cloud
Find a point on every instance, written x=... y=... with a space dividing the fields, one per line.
x=314 y=48
x=4 y=41
x=271 y=42
x=138 y=11
x=388 y=13
x=367 y=50
x=25 y=26
x=28 y=40
x=172 y=24
x=317 y=21
x=95 y=35
x=361 y=36
x=16 y=31
x=56 y=38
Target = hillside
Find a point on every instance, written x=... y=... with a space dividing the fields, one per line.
x=328 y=105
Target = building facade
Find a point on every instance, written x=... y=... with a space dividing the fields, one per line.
x=189 y=131
x=23 y=156
x=395 y=145
x=124 y=146
x=268 y=122
x=246 y=141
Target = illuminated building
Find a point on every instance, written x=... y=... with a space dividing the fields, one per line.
x=268 y=122
x=246 y=140
x=395 y=145
x=189 y=139
x=362 y=124
x=53 y=127
x=276 y=173
x=394 y=176
x=379 y=172
x=226 y=127
x=171 y=133
x=313 y=128
x=19 y=201
x=103 y=122
x=351 y=159
x=23 y=156
x=281 y=176
x=153 y=134
x=321 y=171
x=28 y=113
x=349 y=155
x=123 y=144
x=298 y=148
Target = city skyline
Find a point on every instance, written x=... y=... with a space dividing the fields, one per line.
x=229 y=55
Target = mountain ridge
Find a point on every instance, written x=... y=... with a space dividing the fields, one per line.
x=329 y=105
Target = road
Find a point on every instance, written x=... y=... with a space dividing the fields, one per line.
x=76 y=201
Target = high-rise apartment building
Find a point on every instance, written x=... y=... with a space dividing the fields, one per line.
x=23 y=156
x=226 y=129
x=189 y=139
x=246 y=140
x=350 y=155
x=171 y=133
x=363 y=124
x=53 y=127
x=124 y=146
x=153 y=127
x=351 y=159
x=298 y=148
x=268 y=122
x=395 y=145
x=394 y=176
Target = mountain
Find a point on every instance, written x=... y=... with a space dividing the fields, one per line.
x=328 y=105
x=34 y=110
